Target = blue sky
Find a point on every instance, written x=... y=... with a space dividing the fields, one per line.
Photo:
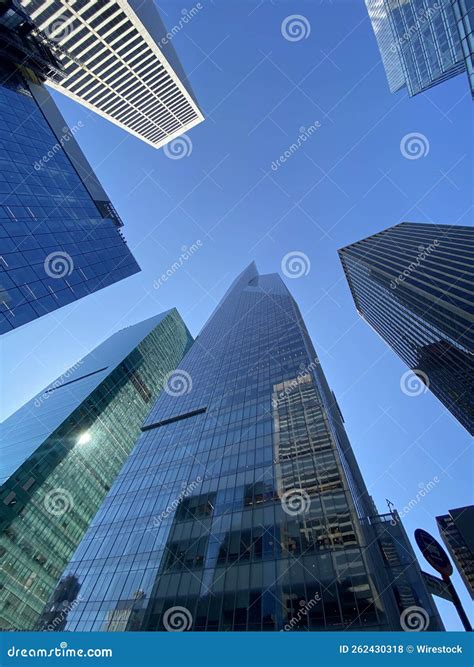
x=349 y=179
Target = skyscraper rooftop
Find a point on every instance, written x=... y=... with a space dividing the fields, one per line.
x=118 y=61
x=242 y=501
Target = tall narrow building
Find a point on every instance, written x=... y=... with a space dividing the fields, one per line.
x=423 y=43
x=457 y=530
x=414 y=284
x=119 y=61
x=60 y=236
x=60 y=454
x=242 y=506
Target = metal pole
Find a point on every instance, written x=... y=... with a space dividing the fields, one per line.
x=458 y=604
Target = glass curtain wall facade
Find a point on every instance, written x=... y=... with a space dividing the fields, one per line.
x=419 y=41
x=457 y=530
x=56 y=244
x=413 y=283
x=464 y=15
x=61 y=452
x=119 y=61
x=240 y=507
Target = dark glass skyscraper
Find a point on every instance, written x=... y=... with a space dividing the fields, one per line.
x=59 y=236
x=61 y=452
x=457 y=530
x=413 y=283
x=423 y=43
x=241 y=506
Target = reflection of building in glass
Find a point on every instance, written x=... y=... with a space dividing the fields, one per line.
x=59 y=232
x=128 y=613
x=118 y=61
x=242 y=501
x=423 y=43
x=457 y=531
x=62 y=450
x=413 y=284
x=63 y=600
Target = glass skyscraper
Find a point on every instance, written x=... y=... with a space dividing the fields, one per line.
x=119 y=61
x=61 y=452
x=241 y=507
x=59 y=234
x=457 y=530
x=464 y=15
x=423 y=43
x=413 y=283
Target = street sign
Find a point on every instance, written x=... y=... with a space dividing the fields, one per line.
x=433 y=552
x=437 y=586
